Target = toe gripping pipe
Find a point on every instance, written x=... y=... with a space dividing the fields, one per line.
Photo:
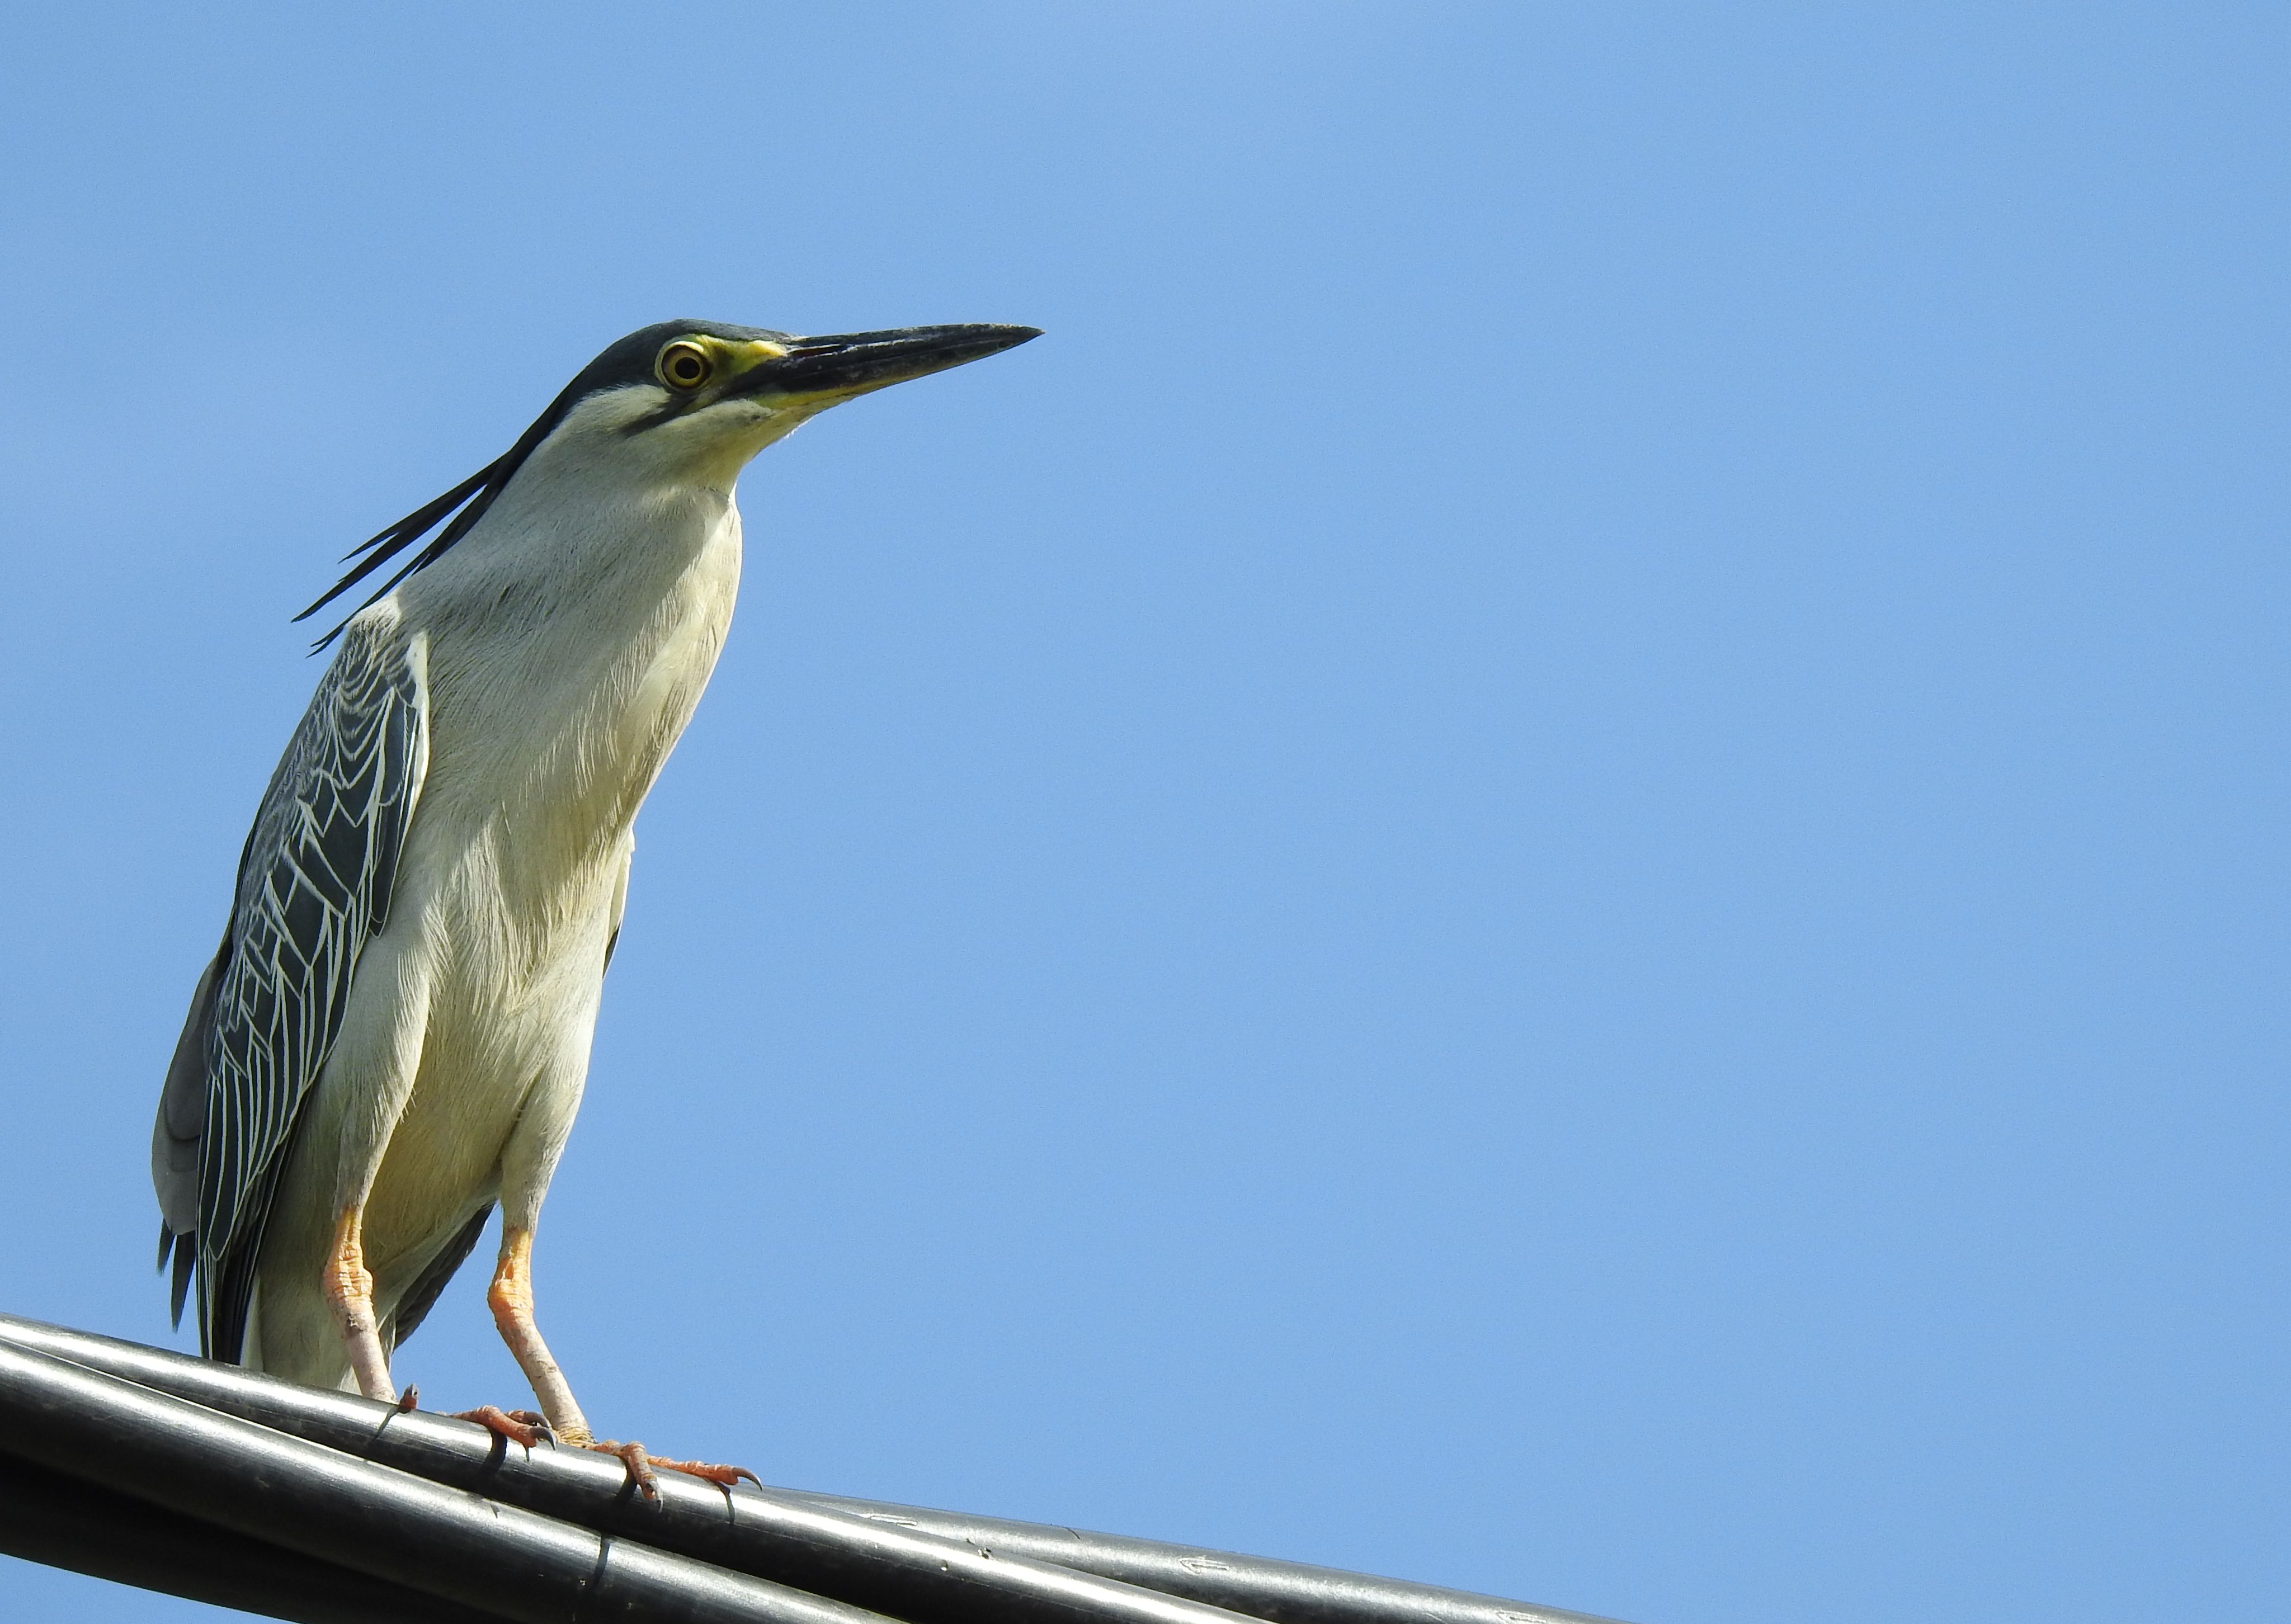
x=204 y=1480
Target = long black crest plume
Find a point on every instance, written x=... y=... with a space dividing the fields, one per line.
x=472 y=497
x=484 y=485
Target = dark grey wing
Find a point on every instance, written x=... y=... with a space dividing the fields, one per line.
x=314 y=887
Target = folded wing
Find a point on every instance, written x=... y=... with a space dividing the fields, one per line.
x=314 y=887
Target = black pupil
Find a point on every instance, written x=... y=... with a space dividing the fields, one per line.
x=686 y=367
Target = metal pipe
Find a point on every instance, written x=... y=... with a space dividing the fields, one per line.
x=361 y=1516
x=45 y=1516
x=1262 y=1587
x=787 y=1538
x=926 y=1566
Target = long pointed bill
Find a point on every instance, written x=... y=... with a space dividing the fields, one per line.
x=847 y=364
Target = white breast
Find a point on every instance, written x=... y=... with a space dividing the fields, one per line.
x=564 y=661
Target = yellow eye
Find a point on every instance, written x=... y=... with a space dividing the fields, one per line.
x=685 y=365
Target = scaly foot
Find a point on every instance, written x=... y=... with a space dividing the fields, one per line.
x=526 y=1428
x=641 y=1468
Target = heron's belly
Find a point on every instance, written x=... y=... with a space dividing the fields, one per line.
x=507 y=1031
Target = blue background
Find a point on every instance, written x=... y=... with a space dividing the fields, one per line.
x=1554 y=861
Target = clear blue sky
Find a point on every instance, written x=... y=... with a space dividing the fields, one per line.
x=1554 y=861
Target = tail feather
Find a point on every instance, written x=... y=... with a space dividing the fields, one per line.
x=186 y=1251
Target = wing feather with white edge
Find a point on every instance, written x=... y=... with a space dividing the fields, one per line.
x=314 y=886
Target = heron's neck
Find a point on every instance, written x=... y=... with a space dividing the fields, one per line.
x=570 y=636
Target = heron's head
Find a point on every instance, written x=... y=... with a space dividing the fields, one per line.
x=682 y=401
x=702 y=398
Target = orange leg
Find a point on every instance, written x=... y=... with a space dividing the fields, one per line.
x=511 y=1298
x=350 y=1292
